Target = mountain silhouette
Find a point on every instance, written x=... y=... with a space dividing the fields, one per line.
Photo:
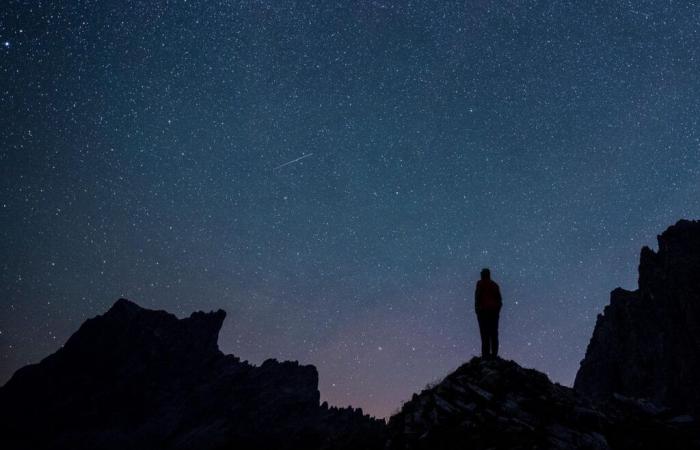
x=496 y=404
x=646 y=344
x=135 y=378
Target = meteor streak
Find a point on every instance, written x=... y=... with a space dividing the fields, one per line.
x=293 y=161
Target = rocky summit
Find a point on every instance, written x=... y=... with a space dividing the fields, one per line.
x=134 y=378
x=496 y=404
x=646 y=344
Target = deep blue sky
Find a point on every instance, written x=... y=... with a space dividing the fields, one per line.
x=141 y=145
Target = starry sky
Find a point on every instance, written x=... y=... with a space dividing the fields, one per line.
x=334 y=174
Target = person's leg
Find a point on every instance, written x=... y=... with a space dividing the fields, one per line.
x=488 y=332
x=494 y=334
x=483 y=331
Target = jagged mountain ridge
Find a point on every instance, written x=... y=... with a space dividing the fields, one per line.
x=646 y=343
x=137 y=378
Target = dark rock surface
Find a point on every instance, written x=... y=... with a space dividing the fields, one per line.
x=496 y=404
x=140 y=379
x=646 y=344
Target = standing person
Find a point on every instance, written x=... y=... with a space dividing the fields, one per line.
x=487 y=304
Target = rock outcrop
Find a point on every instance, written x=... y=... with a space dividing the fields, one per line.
x=496 y=404
x=646 y=344
x=141 y=379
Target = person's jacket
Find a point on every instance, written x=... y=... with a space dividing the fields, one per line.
x=487 y=296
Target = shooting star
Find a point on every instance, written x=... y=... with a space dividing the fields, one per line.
x=293 y=161
x=640 y=13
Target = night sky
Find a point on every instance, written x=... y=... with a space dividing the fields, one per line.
x=335 y=174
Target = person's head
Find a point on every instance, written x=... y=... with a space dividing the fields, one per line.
x=485 y=274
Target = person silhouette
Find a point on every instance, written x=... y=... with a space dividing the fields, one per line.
x=487 y=304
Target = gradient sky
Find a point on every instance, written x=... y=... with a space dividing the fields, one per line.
x=143 y=147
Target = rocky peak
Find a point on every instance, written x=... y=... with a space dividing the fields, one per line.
x=675 y=266
x=129 y=337
x=138 y=378
x=646 y=344
x=498 y=404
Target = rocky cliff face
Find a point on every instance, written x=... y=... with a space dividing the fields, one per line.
x=142 y=379
x=646 y=344
x=496 y=404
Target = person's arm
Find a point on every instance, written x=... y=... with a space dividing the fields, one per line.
x=498 y=296
x=477 y=298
